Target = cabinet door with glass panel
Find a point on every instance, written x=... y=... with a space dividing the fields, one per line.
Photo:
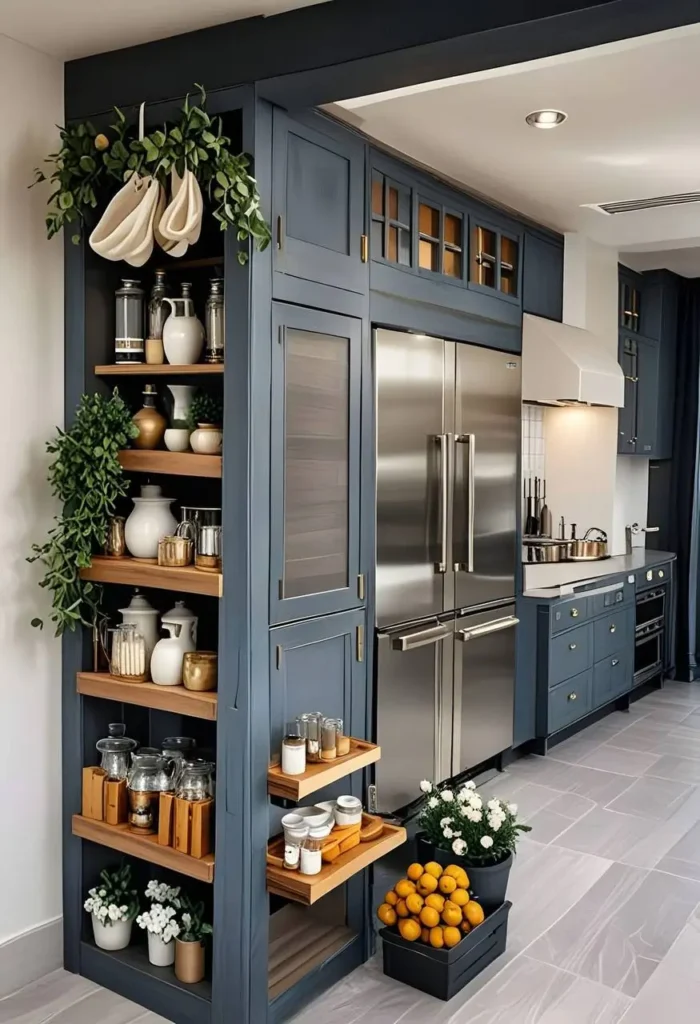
x=392 y=217
x=441 y=240
x=315 y=464
x=630 y=305
x=494 y=261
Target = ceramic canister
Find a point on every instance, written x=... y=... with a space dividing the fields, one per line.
x=166 y=662
x=141 y=613
x=150 y=520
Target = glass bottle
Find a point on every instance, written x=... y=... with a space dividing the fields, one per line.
x=311 y=859
x=342 y=742
x=328 y=740
x=214 y=322
x=293 y=750
x=128 y=335
x=158 y=312
x=310 y=724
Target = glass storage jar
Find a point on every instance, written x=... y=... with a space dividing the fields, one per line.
x=115 y=749
x=310 y=725
x=128 y=335
x=311 y=858
x=196 y=781
x=149 y=776
x=128 y=659
x=214 y=322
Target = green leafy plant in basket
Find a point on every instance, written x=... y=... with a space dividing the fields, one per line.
x=86 y=477
x=207 y=407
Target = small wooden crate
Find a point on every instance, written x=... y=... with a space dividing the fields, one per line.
x=165 y=819
x=192 y=832
x=93 y=793
x=115 y=802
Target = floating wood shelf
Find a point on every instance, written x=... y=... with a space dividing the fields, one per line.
x=118 y=837
x=174 y=463
x=156 y=369
x=307 y=889
x=177 y=699
x=316 y=776
x=134 y=572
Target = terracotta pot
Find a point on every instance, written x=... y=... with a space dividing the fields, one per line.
x=189 y=961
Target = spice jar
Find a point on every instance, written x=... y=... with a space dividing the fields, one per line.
x=310 y=725
x=293 y=840
x=328 y=752
x=128 y=653
x=311 y=859
x=293 y=750
x=342 y=742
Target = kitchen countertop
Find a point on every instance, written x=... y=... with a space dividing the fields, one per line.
x=589 y=572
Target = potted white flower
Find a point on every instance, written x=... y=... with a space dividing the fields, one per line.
x=189 y=949
x=160 y=922
x=459 y=826
x=113 y=905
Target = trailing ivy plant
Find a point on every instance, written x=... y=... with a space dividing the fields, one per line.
x=196 y=142
x=86 y=477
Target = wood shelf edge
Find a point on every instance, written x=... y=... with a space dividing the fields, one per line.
x=136 y=573
x=156 y=369
x=134 y=460
x=297 y=787
x=177 y=699
x=117 y=837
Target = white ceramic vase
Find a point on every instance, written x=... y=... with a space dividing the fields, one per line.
x=177 y=439
x=183 y=333
x=160 y=954
x=166 y=663
x=182 y=402
x=116 y=935
x=206 y=439
x=126 y=229
x=150 y=521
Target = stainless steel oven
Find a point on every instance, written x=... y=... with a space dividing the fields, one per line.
x=650 y=634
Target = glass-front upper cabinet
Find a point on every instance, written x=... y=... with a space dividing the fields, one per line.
x=391 y=220
x=495 y=259
x=630 y=306
x=440 y=240
x=315 y=464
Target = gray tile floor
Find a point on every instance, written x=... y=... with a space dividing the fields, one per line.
x=605 y=925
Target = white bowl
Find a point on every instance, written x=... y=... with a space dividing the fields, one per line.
x=315 y=817
x=177 y=439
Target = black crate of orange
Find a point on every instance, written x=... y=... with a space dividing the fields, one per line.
x=443 y=972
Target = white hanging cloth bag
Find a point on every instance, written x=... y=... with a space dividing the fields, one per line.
x=181 y=223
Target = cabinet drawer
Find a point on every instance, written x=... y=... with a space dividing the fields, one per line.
x=569 y=613
x=611 y=678
x=612 y=633
x=649 y=577
x=613 y=599
x=570 y=653
x=570 y=700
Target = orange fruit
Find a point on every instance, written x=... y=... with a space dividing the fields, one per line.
x=462 y=879
x=466 y=927
x=425 y=936
x=414 y=902
x=437 y=940
x=452 y=914
x=474 y=913
x=415 y=871
x=447 y=884
x=451 y=936
x=387 y=914
x=428 y=883
x=402 y=909
x=460 y=897
x=429 y=917
x=452 y=870
x=409 y=930
x=436 y=901
x=433 y=868
x=391 y=898
x=404 y=888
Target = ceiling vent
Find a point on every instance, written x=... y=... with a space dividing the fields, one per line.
x=633 y=205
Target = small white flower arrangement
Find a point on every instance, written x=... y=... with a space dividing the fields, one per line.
x=481 y=832
x=113 y=900
x=161 y=919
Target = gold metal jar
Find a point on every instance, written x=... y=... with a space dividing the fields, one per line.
x=175 y=551
x=200 y=670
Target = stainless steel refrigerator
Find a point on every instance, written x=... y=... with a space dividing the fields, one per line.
x=448 y=442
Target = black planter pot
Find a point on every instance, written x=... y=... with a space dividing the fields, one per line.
x=488 y=884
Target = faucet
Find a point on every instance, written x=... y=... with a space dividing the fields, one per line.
x=634 y=529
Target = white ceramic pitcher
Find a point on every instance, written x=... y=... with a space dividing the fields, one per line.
x=183 y=333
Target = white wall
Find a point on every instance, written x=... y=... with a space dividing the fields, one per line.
x=31 y=404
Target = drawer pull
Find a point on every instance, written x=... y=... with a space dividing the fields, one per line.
x=661 y=574
x=614 y=662
x=613 y=628
x=572 y=647
x=572 y=696
x=574 y=613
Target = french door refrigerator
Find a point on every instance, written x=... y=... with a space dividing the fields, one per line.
x=448 y=441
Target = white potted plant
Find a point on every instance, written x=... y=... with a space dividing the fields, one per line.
x=113 y=905
x=161 y=922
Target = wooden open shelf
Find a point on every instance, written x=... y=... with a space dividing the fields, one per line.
x=177 y=699
x=307 y=889
x=175 y=463
x=300 y=940
x=134 y=572
x=156 y=369
x=118 y=837
x=316 y=776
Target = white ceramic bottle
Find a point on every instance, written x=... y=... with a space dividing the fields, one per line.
x=177 y=436
x=166 y=662
x=150 y=521
x=183 y=333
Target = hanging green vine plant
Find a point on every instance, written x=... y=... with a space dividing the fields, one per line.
x=87 y=479
x=87 y=160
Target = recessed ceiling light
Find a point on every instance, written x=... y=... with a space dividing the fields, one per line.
x=546 y=118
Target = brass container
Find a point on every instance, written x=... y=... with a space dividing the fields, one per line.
x=175 y=551
x=189 y=962
x=115 y=544
x=143 y=811
x=200 y=670
x=150 y=422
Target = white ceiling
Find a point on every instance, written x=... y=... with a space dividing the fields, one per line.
x=75 y=28
x=632 y=133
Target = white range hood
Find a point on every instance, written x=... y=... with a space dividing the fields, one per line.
x=563 y=365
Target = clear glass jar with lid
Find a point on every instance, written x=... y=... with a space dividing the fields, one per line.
x=196 y=780
x=128 y=659
x=128 y=335
x=214 y=322
x=115 y=749
x=311 y=858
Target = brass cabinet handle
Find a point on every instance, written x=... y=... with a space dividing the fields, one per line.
x=614 y=662
x=572 y=647
x=613 y=628
x=574 y=613
x=633 y=379
x=572 y=696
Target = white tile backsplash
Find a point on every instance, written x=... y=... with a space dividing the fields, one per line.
x=533 y=441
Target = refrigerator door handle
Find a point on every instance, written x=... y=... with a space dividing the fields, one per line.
x=410 y=641
x=470 y=441
x=488 y=627
x=443 y=441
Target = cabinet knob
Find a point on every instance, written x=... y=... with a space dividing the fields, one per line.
x=572 y=696
x=574 y=613
x=661 y=574
x=650 y=575
x=613 y=628
x=572 y=647
x=614 y=662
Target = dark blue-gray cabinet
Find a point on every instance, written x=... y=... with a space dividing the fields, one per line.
x=318 y=189
x=638 y=419
x=315 y=473
x=318 y=664
x=543 y=274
